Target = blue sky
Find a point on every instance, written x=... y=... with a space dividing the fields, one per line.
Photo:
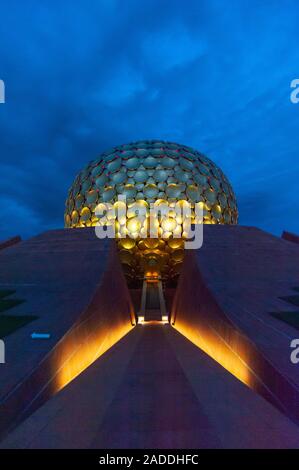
x=84 y=76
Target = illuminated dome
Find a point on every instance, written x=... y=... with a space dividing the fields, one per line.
x=151 y=172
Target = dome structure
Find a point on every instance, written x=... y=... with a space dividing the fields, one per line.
x=149 y=173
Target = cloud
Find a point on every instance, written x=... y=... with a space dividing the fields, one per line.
x=213 y=75
x=121 y=86
x=171 y=47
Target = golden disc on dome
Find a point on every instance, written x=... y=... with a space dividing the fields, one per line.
x=125 y=256
x=75 y=217
x=85 y=214
x=141 y=245
x=120 y=206
x=178 y=255
x=168 y=224
x=160 y=202
x=152 y=243
x=176 y=243
x=162 y=174
x=101 y=210
x=91 y=196
x=133 y=225
x=127 y=243
x=161 y=245
x=67 y=220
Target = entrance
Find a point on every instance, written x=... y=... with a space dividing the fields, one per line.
x=153 y=308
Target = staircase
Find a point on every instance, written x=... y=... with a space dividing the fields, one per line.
x=153 y=308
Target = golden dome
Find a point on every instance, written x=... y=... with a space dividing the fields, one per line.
x=150 y=173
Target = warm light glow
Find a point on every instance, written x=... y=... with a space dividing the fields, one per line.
x=133 y=225
x=152 y=276
x=75 y=358
x=166 y=186
x=218 y=350
x=168 y=224
x=140 y=320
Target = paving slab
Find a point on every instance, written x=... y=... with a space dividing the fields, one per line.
x=155 y=389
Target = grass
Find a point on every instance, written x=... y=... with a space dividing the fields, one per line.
x=291 y=318
x=11 y=323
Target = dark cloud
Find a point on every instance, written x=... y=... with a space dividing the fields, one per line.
x=93 y=74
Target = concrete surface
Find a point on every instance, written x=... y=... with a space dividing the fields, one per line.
x=68 y=278
x=225 y=296
x=155 y=389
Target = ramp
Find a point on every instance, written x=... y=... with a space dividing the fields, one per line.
x=67 y=279
x=224 y=302
x=153 y=307
x=155 y=389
